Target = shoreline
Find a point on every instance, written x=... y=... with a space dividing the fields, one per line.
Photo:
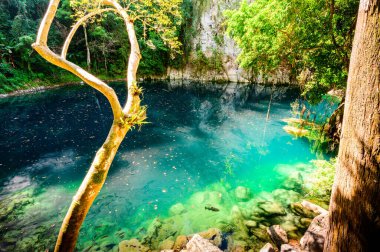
x=55 y=86
x=44 y=88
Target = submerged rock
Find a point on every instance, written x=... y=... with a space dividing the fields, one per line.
x=240 y=246
x=271 y=209
x=180 y=243
x=289 y=226
x=286 y=197
x=240 y=229
x=267 y=248
x=214 y=235
x=260 y=233
x=153 y=230
x=251 y=224
x=207 y=197
x=288 y=248
x=214 y=197
x=242 y=193
x=177 y=209
x=132 y=246
x=313 y=207
x=278 y=235
x=300 y=210
x=305 y=222
x=314 y=238
x=199 y=244
x=166 y=245
x=106 y=244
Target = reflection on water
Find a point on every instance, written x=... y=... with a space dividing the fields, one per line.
x=199 y=135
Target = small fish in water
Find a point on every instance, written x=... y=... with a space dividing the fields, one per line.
x=211 y=208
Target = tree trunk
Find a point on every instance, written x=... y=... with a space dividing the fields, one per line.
x=89 y=189
x=87 y=49
x=124 y=117
x=354 y=221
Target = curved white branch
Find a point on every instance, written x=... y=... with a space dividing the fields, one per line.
x=133 y=101
x=41 y=47
x=46 y=22
x=76 y=27
x=88 y=78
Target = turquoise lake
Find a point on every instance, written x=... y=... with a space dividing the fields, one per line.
x=199 y=137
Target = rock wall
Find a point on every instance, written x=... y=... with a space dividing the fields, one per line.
x=213 y=54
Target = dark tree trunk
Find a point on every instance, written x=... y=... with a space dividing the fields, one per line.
x=354 y=222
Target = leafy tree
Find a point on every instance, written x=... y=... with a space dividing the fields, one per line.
x=107 y=56
x=310 y=38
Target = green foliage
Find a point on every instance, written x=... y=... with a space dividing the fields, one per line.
x=202 y=63
x=319 y=141
x=321 y=181
x=20 y=67
x=299 y=35
x=295 y=107
x=157 y=27
x=161 y=16
x=311 y=121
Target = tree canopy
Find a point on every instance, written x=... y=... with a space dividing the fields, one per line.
x=157 y=25
x=312 y=39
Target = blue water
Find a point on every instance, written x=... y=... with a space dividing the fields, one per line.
x=197 y=136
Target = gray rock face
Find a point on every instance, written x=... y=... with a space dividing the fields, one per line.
x=278 y=235
x=314 y=238
x=267 y=248
x=199 y=244
x=208 y=23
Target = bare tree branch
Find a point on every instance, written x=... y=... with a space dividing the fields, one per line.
x=76 y=27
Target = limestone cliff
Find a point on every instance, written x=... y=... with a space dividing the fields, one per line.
x=213 y=55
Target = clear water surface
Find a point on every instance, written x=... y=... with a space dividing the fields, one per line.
x=198 y=136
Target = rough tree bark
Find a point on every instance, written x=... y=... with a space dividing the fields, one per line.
x=124 y=117
x=354 y=221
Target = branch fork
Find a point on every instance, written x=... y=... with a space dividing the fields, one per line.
x=124 y=117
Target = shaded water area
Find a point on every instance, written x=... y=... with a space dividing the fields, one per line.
x=205 y=146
